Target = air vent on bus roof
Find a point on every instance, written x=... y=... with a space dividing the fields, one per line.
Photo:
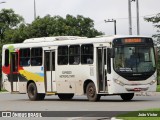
x=51 y=39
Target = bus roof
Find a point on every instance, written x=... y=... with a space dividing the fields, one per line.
x=65 y=40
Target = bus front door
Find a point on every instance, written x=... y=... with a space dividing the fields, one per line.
x=101 y=69
x=49 y=68
x=13 y=76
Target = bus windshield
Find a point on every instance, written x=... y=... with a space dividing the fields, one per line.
x=134 y=59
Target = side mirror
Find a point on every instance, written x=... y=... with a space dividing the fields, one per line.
x=111 y=52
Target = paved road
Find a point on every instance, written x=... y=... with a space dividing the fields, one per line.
x=20 y=102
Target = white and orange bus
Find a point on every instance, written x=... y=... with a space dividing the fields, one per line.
x=71 y=65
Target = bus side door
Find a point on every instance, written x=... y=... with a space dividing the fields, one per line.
x=49 y=70
x=13 y=76
x=101 y=69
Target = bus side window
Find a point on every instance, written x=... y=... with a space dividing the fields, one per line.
x=36 y=56
x=87 y=54
x=74 y=54
x=62 y=55
x=25 y=57
x=6 y=58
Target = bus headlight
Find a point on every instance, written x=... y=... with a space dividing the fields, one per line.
x=152 y=82
x=119 y=82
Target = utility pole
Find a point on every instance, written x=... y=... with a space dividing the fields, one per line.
x=138 y=25
x=112 y=20
x=130 y=17
x=34 y=9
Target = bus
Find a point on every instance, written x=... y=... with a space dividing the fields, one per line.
x=72 y=65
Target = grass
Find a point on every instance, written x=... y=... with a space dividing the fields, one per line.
x=134 y=115
x=158 y=88
x=3 y=90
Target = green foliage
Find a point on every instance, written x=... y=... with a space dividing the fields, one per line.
x=156 y=23
x=137 y=118
x=3 y=90
x=14 y=30
x=16 y=35
x=58 y=26
x=158 y=68
x=8 y=20
x=158 y=88
x=134 y=115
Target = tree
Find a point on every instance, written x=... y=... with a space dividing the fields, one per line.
x=156 y=22
x=8 y=20
x=58 y=26
x=80 y=26
x=16 y=35
x=15 y=31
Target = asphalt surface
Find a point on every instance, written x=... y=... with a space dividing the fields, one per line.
x=110 y=104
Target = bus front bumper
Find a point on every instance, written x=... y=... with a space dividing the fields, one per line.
x=136 y=88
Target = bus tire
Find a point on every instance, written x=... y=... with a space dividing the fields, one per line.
x=33 y=94
x=65 y=96
x=91 y=92
x=127 y=96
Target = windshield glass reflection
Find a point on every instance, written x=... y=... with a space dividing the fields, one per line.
x=134 y=59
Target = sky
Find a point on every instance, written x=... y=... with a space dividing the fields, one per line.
x=97 y=10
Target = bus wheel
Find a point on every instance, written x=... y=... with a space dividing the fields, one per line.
x=65 y=96
x=32 y=92
x=127 y=96
x=91 y=92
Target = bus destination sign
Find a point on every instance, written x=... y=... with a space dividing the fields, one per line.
x=132 y=40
